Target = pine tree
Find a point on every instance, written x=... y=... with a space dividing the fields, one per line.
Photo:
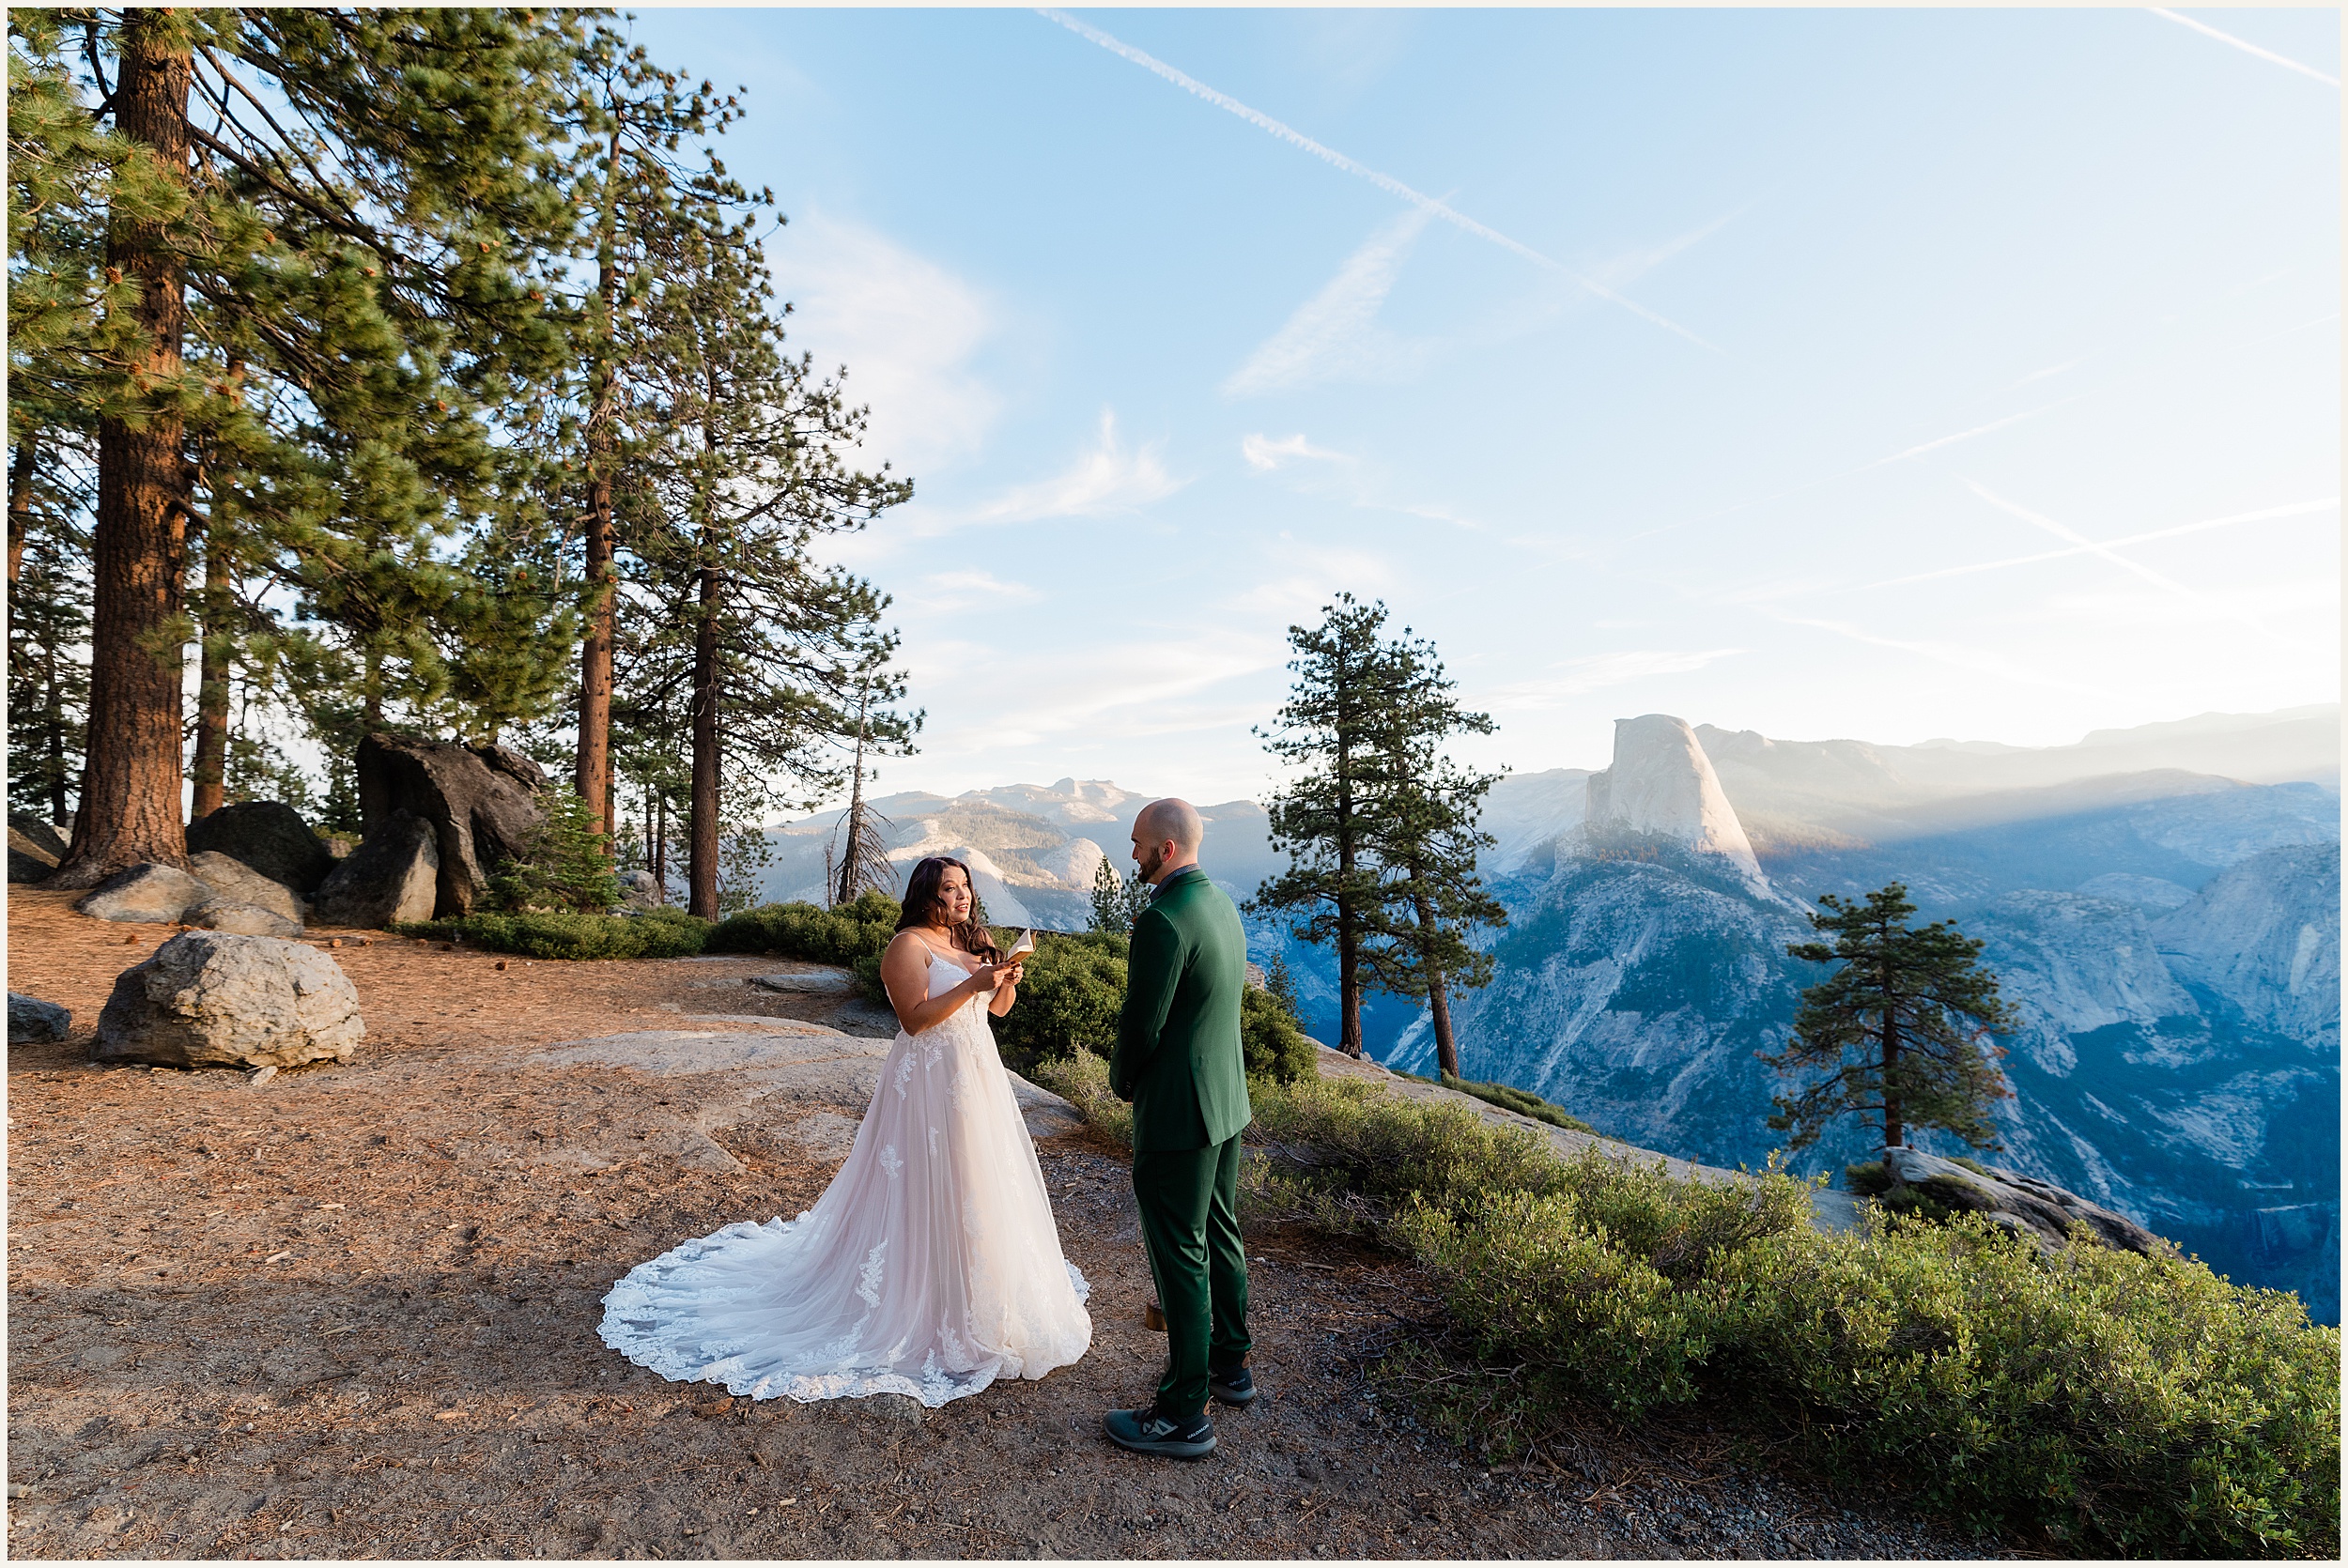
x=782 y=662
x=1425 y=838
x=351 y=208
x=643 y=203
x=1902 y=1027
x=1116 y=901
x=48 y=677
x=859 y=860
x=565 y=865
x=1334 y=725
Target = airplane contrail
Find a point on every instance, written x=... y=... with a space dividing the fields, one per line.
x=1385 y=182
x=2296 y=509
x=2093 y=546
x=2248 y=47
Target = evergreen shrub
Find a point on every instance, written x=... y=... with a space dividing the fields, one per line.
x=2120 y=1404
x=565 y=864
x=659 y=933
x=1069 y=998
x=1524 y=1102
x=810 y=933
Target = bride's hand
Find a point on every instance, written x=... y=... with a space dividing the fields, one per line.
x=991 y=977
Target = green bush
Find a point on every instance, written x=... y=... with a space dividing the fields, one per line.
x=659 y=933
x=809 y=933
x=1068 y=998
x=1277 y=1047
x=1523 y=1102
x=565 y=863
x=2119 y=1402
x=1082 y=1078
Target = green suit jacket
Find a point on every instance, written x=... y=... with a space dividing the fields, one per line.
x=1178 y=1057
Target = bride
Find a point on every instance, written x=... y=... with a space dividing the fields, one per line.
x=929 y=1267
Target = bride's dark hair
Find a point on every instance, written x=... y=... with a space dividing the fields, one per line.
x=921 y=904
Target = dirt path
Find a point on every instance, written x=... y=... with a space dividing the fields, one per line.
x=352 y=1312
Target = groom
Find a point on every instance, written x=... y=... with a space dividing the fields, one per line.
x=1179 y=1060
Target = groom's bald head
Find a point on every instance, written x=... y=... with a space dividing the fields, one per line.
x=1177 y=820
x=1166 y=835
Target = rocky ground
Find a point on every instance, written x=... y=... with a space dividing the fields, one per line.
x=351 y=1312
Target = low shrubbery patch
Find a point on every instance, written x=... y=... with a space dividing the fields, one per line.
x=810 y=932
x=2118 y=1403
x=657 y=934
x=1524 y=1102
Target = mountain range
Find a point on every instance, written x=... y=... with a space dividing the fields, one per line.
x=2161 y=903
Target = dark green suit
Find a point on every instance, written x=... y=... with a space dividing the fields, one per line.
x=1180 y=1061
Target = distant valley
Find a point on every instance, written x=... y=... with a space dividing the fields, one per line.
x=2161 y=902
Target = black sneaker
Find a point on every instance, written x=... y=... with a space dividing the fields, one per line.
x=1145 y=1431
x=1235 y=1386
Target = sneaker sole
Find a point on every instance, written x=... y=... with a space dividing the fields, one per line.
x=1235 y=1400
x=1166 y=1450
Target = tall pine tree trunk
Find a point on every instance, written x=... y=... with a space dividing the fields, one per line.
x=1349 y=936
x=130 y=780
x=660 y=846
x=21 y=502
x=209 y=771
x=371 y=701
x=1438 y=997
x=1894 y=1131
x=701 y=865
x=52 y=726
x=594 y=773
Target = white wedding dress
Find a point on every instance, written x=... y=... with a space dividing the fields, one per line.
x=929 y=1267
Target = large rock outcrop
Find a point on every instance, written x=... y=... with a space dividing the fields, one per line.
x=149 y=892
x=391 y=877
x=230 y=879
x=220 y=914
x=2024 y=1204
x=213 y=999
x=269 y=837
x=482 y=802
x=1660 y=785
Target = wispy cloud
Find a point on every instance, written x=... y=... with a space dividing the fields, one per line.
x=1939 y=441
x=1385 y=182
x=2296 y=509
x=1264 y=454
x=952 y=592
x=905 y=327
x=2136 y=568
x=1575 y=676
x=2246 y=47
x=2049 y=371
x=1342 y=472
x=1979 y=661
x=1142 y=687
x=1904 y=456
x=1335 y=332
x=1298 y=577
x=1103 y=483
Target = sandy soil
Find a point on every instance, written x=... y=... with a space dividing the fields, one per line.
x=352 y=1312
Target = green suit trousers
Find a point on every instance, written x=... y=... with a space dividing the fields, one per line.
x=1189 y=1200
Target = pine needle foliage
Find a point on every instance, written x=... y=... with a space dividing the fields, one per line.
x=1901 y=1031
x=565 y=865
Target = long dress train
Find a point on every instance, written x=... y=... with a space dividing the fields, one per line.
x=929 y=1267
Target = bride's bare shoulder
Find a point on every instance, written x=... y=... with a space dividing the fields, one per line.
x=906 y=941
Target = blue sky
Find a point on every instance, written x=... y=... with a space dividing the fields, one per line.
x=1820 y=373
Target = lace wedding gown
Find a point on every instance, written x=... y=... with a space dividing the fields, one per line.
x=929 y=1267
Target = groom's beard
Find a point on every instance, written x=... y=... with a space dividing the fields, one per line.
x=1150 y=866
